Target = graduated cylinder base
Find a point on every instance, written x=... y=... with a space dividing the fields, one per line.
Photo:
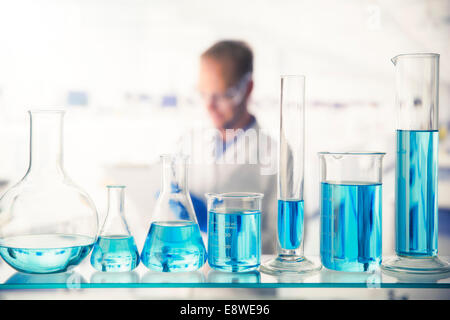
x=415 y=265
x=289 y=264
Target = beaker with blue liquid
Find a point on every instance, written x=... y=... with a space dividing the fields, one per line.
x=234 y=231
x=351 y=210
x=174 y=242
x=416 y=188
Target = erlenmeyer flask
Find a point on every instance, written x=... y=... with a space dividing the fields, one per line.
x=115 y=249
x=47 y=223
x=174 y=243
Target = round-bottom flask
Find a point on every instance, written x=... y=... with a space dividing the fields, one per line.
x=47 y=223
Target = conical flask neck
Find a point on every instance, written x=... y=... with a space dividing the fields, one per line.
x=115 y=223
x=174 y=175
x=46 y=143
x=116 y=197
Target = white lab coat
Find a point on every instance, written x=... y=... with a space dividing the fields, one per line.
x=209 y=173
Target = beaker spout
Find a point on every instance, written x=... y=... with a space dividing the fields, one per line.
x=394 y=60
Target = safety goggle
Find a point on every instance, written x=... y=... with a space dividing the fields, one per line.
x=232 y=96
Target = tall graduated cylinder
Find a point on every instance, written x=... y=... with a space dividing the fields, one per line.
x=417 y=80
x=290 y=258
x=351 y=210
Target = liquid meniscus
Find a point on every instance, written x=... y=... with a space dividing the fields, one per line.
x=45 y=253
x=234 y=240
x=416 y=193
x=174 y=246
x=115 y=253
x=351 y=226
x=290 y=223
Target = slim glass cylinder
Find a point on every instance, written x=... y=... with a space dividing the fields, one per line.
x=351 y=210
x=417 y=137
x=290 y=181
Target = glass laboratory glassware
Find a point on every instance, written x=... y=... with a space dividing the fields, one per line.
x=115 y=249
x=174 y=242
x=416 y=203
x=351 y=210
x=234 y=231
x=290 y=257
x=47 y=223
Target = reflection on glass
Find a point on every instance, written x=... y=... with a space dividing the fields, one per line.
x=70 y=278
x=178 y=277
x=215 y=276
x=331 y=276
x=417 y=278
x=115 y=277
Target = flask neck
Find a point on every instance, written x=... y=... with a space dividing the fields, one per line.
x=174 y=175
x=116 y=196
x=115 y=223
x=46 y=143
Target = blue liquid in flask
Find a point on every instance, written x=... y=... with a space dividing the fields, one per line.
x=234 y=240
x=416 y=193
x=351 y=226
x=174 y=246
x=45 y=253
x=290 y=223
x=115 y=254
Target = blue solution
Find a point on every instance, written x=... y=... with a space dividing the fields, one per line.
x=174 y=246
x=350 y=226
x=290 y=223
x=416 y=193
x=115 y=254
x=45 y=253
x=234 y=240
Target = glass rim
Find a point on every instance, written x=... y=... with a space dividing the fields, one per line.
x=175 y=156
x=352 y=153
x=118 y=186
x=61 y=111
x=417 y=54
x=301 y=76
x=235 y=195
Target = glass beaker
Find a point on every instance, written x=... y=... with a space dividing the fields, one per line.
x=416 y=204
x=47 y=223
x=290 y=257
x=174 y=242
x=351 y=210
x=234 y=231
x=115 y=249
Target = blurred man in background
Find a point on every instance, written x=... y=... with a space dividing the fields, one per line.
x=234 y=155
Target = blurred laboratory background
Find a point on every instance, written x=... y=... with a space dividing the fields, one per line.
x=126 y=72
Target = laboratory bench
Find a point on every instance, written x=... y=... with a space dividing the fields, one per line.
x=84 y=276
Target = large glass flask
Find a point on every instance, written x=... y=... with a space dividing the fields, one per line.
x=47 y=223
x=416 y=205
x=290 y=257
x=174 y=242
x=351 y=210
x=115 y=249
x=234 y=231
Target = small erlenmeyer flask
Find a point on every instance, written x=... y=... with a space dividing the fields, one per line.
x=174 y=243
x=115 y=249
